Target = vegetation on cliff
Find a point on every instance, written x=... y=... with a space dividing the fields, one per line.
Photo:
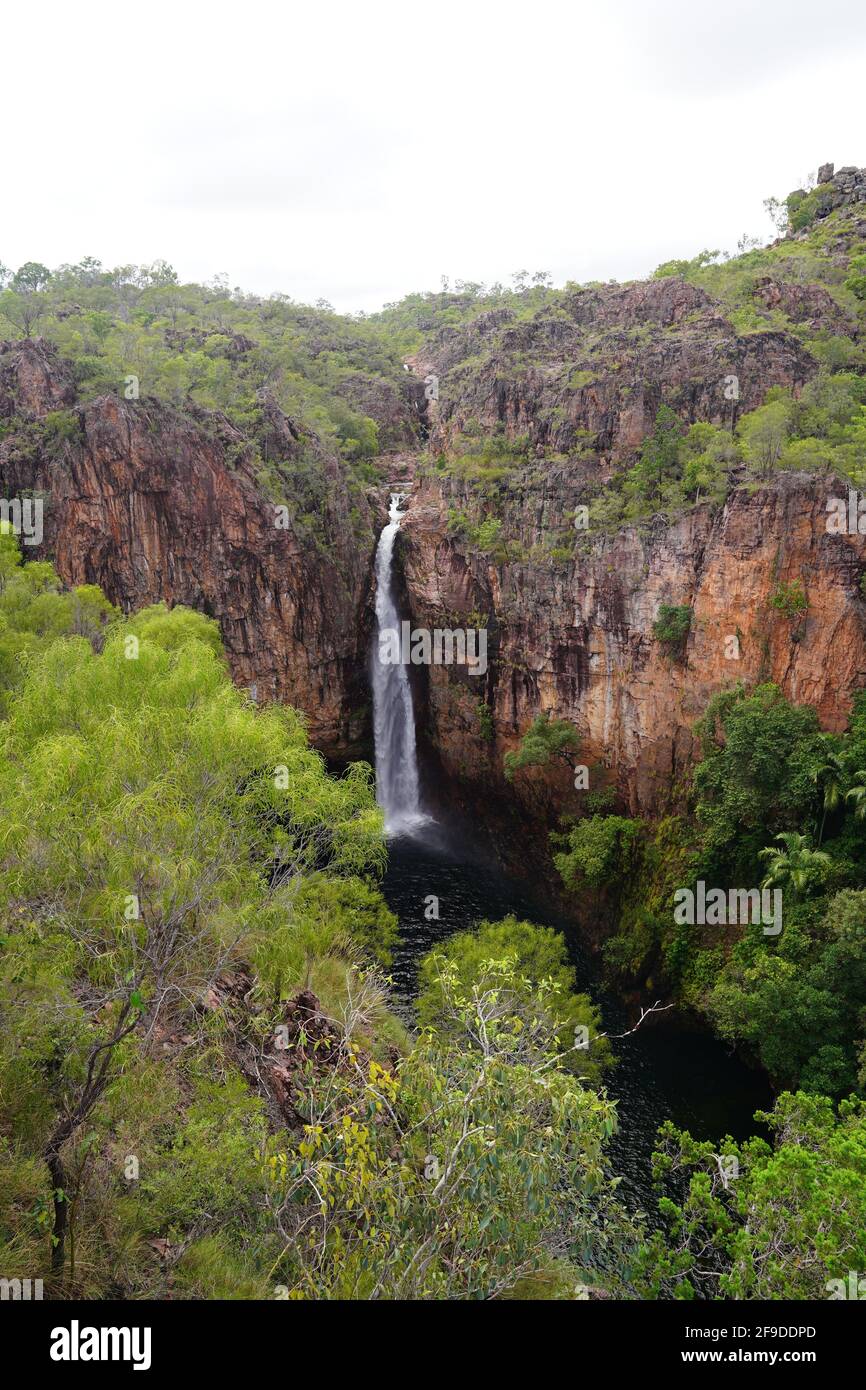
x=773 y=802
x=205 y=1092
x=205 y=1088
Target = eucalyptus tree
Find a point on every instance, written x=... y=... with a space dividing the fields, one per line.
x=155 y=825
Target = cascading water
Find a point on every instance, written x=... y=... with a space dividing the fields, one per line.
x=393 y=716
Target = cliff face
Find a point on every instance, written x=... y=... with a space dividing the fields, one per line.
x=142 y=501
x=592 y=372
x=577 y=641
x=560 y=389
x=572 y=634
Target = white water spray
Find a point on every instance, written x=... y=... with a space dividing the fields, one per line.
x=393 y=717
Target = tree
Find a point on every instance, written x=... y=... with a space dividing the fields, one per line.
x=160 y=273
x=856 y=794
x=685 y=267
x=856 y=281
x=785 y=1014
x=600 y=851
x=472 y=1170
x=794 y=863
x=708 y=454
x=182 y=824
x=30 y=278
x=539 y=954
x=830 y=777
x=89 y=270
x=25 y=303
x=671 y=627
x=546 y=738
x=756 y=777
x=765 y=432
x=747 y=243
x=777 y=212
x=487 y=533
x=659 y=459
x=790 y=599
x=127 y=287
x=23 y=310
x=762 y=1222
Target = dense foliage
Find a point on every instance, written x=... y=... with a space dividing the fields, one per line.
x=205 y=1091
x=545 y=739
x=540 y=956
x=204 y=1088
x=763 y=1222
x=774 y=805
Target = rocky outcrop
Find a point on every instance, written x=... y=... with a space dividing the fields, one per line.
x=843 y=189
x=591 y=373
x=397 y=413
x=571 y=390
x=576 y=639
x=154 y=505
x=811 y=305
x=33 y=380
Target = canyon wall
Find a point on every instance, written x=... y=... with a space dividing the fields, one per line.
x=570 y=614
x=154 y=504
x=576 y=640
x=157 y=502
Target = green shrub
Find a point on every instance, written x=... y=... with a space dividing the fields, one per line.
x=803 y=208
x=672 y=626
x=537 y=954
x=856 y=281
x=600 y=851
x=546 y=738
x=789 y=599
x=485 y=720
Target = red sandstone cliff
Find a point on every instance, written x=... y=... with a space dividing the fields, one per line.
x=143 y=501
x=153 y=503
x=577 y=640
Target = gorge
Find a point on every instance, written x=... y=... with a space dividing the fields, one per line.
x=156 y=499
x=375 y=689
x=440 y=881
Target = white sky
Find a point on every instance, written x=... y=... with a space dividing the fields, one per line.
x=359 y=151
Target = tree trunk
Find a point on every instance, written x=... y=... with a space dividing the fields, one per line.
x=58 y=1181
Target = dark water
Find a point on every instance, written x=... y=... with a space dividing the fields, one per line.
x=665 y=1070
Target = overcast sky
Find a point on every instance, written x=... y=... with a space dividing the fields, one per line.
x=360 y=151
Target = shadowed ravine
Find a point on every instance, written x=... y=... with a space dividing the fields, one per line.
x=665 y=1070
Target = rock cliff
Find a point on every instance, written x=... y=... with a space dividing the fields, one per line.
x=146 y=502
x=154 y=502
x=576 y=640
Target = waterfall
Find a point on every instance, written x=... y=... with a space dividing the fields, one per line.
x=393 y=717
